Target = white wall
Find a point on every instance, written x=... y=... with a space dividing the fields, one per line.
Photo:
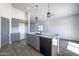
x=66 y=27
x=18 y=14
x=5 y=10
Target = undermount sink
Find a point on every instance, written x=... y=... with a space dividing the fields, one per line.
x=38 y=33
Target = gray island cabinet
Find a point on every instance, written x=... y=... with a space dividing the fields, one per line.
x=42 y=43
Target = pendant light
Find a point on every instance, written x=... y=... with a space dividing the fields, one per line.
x=36 y=17
x=48 y=13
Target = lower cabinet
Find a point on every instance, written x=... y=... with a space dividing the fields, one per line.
x=37 y=42
x=33 y=40
x=46 y=46
x=15 y=37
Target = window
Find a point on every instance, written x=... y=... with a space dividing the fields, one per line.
x=40 y=27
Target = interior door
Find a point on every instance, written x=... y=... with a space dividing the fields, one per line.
x=4 y=31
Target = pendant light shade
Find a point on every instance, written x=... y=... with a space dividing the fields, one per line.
x=48 y=13
x=36 y=18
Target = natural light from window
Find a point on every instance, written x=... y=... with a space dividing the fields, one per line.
x=74 y=47
x=54 y=41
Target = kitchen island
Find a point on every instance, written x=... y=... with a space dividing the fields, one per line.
x=42 y=43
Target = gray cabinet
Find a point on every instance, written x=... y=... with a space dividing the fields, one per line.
x=37 y=42
x=15 y=37
x=15 y=22
x=33 y=40
x=29 y=39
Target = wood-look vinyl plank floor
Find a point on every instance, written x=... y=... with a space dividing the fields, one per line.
x=19 y=48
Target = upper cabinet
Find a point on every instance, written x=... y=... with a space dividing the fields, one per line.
x=15 y=22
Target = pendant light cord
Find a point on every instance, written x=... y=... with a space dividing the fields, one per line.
x=36 y=10
x=48 y=7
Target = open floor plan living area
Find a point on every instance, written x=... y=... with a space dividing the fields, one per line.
x=39 y=29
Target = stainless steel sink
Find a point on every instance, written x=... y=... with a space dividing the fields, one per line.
x=38 y=33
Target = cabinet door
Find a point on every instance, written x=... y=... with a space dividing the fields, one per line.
x=46 y=46
x=32 y=40
x=28 y=38
x=15 y=37
x=36 y=42
x=15 y=22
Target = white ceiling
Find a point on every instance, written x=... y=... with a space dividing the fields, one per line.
x=58 y=9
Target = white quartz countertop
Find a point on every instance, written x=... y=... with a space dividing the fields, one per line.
x=46 y=35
